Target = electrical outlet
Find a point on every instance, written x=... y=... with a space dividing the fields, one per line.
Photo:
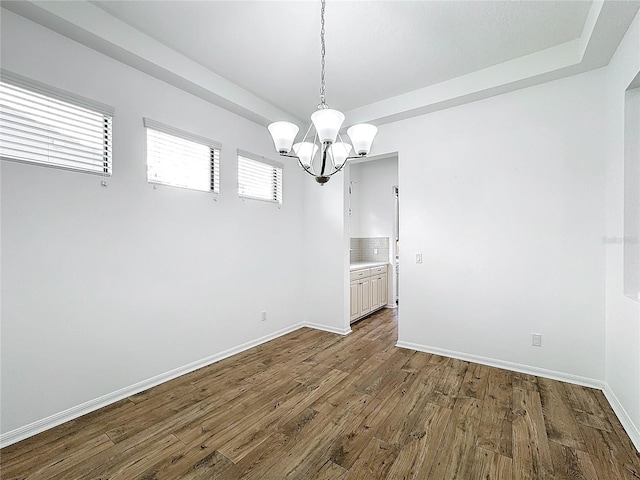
x=264 y=315
x=375 y=251
x=536 y=339
x=418 y=258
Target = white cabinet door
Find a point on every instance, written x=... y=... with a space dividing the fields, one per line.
x=375 y=292
x=384 y=291
x=354 y=290
x=365 y=304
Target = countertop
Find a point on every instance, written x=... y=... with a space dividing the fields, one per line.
x=359 y=265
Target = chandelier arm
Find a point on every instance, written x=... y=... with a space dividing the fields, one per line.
x=343 y=164
x=306 y=169
x=336 y=170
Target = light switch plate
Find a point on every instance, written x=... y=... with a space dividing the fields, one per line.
x=418 y=258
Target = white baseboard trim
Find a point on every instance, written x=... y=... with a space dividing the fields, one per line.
x=632 y=430
x=39 y=426
x=326 y=328
x=516 y=367
x=628 y=425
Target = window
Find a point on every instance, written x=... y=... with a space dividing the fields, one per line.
x=46 y=126
x=259 y=178
x=181 y=159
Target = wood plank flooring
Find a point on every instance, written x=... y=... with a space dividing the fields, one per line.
x=315 y=405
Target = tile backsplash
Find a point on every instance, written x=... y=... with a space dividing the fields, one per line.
x=362 y=249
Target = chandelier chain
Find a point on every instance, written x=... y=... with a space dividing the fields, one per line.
x=322 y=53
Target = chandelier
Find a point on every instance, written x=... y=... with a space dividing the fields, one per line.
x=326 y=124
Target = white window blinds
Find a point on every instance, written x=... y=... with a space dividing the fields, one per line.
x=181 y=159
x=46 y=126
x=259 y=178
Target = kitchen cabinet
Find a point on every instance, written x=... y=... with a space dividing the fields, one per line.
x=354 y=303
x=368 y=291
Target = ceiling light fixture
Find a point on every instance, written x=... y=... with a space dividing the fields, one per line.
x=326 y=124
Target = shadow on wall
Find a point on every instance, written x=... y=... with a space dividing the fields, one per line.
x=632 y=190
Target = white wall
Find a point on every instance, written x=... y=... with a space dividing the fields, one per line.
x=326 y=254
x=373 y=203
x=622 y=313
x=106 y=287
x=632 y=192
x=504 y=198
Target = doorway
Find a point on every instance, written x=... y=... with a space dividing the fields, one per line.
x=373 y=209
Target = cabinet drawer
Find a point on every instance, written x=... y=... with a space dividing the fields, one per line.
x=377 y=270
x=356 y=274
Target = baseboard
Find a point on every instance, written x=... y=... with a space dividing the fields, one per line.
x=516 y=367
x=628 y=425
x=38 y=426
x=326 y=328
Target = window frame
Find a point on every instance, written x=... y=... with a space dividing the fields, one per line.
x=264 y=161
x=104 y=168
x=214 y=153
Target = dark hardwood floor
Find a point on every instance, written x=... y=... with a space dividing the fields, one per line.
x=315 y=405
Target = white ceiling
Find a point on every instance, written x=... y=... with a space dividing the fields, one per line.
x=385 y=59
x=375 y=50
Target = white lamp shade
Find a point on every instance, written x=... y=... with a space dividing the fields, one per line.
x=305 y=152
x=339 y=152
x=362 y=136
x=283 y=134
x=327 y=123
